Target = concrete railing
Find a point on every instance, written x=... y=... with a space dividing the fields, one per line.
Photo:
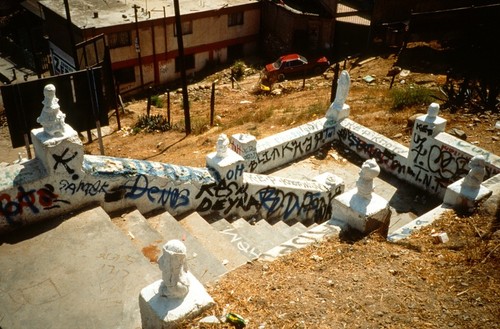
x=62 y=179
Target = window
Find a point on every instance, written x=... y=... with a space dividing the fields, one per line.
x=187 y=28
x=235 y=19
x=295 y=63
x=125 y=75
x=188 y=62
x=119 y=39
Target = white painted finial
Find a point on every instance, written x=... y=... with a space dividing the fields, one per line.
x=342 y=90
x=51 y=118
x=433 y=110
x=222 y=145
x=476 y=173
x=174 y=270
x=369 y=170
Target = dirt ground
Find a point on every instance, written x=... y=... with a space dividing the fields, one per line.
x=351 y=282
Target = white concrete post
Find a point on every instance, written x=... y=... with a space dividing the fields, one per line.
x=426 y=127
x=225 y=162
x=178 y=296
x=173 y=267
x=360 y=207
x=56 y=144
x=467 y=193
x=339 y=110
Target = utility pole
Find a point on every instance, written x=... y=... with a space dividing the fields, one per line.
x=180 y=45
x=138 y=45
x=71 y=36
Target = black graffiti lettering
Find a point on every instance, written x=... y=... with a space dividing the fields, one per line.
x=60 y=160
x=91 y=189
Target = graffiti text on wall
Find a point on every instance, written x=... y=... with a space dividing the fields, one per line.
x=290 y=205
x=61 y=160
x=292 y=149
x=89 y=189
x=224 y=197
x=385 y=157
x=171 y=197
x=436 y=167
x=43 y=198
x=227 y=197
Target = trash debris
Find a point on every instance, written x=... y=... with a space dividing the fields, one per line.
x=212 y=319
x=404 y=73
x=440 y=237
x=368 y=79
x=316 y=258
x=236 y=320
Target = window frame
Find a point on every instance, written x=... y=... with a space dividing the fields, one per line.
x=186 y=27
x=119 y=39
x=236 y=19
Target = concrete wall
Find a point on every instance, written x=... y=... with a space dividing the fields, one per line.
x=208 y=41
x=285 y=147
x=390 y=155
x=62 y=179
x=433 y=161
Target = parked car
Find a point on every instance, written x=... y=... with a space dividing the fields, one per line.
x=294 y=64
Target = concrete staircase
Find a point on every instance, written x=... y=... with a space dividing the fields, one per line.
x=215 y=245
x=87 y=271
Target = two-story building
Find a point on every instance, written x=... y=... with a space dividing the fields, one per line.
x=142 y=37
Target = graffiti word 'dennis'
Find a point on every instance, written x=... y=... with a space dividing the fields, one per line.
x=33 y=200
x=171 y=197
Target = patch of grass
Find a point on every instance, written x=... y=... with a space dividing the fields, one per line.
x=151 y=123
x=199 y=125
x=157 y=101
x=313 y=111
x=255 y=116
x=411 y=96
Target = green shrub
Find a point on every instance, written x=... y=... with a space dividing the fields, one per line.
x=238 y=70
x=157 y=100
x=411 y=96
x=152 y=123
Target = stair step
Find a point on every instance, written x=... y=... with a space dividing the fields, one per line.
x=277 y=237
x=315 y=234
x=205 y=266
x=136 y=226
x=82 y=266
x=213 y=242
x=236 y=238
x=287 y=231
x=261 y=235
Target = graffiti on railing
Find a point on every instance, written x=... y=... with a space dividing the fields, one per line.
x=88 y=189
x=225 y=196
x=291 y=149
x=32 y=200
x=171 y=197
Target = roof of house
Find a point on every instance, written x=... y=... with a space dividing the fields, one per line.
x=103 y=13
